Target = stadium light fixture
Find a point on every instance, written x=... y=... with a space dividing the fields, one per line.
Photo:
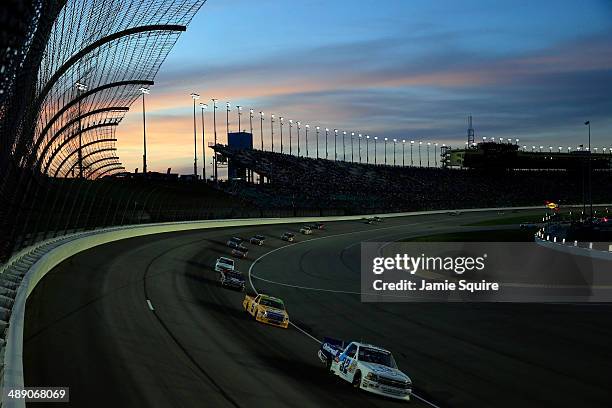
x=281 y=123
x=344 y=145
x=367 y=149
x=272 y=132
x=203 y=107
x=227 y=111
x=421 y=161
x=428 y=145
x=550 y=149
x=143 y=91
x=307 y=127
x=394 y=145
x=411 y=146
x=517 y=141
x=352 y=153
x=215 y=167
x=541 y=147
x=335 y=144
x=290 y=140
x=386 y=139
x=436 y=153
x=326 y=134
x=251 y=121
x=298 y=137
x=195 y=97
x=359 y=136
x=375 y=159
x=318 y=129
x=261 y=119
x=239 y=109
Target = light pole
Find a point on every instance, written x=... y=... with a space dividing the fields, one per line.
x=344 y=145
x=428 y=144
x=227 y=111
x=335 y=144
x=394 y=145
x=214 y=101
x=352 y=154
x=80 y=88
x=318 y=128
x=436 y=153
x=144 y=92
x=326 y=134
x=251 y=121
x=403 y=153
x=375 y=158
x=359 y=146
x=420 y=161
x=195 y=97
x=261 y=119
x=307 y=127
x=239 y=108
x=281 y=123
x=386 y=139
x=203 y=106
x=298 y=136
x=290 y=141
x=411 y=146
x=368 y=149
x=272 y=131
x=588 y=124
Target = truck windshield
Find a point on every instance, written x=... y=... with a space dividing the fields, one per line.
x=272 y=303
x=369 y=355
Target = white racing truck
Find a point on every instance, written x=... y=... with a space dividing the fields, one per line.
x=366 y=367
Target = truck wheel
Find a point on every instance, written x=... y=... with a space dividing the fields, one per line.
x=357 y=380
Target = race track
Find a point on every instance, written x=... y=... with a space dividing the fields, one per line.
x=143 y=323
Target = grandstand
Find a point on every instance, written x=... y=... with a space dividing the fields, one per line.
x=350 y=188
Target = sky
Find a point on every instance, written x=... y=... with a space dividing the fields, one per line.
x=404 y=69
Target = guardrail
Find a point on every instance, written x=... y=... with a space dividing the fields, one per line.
x=20 y=275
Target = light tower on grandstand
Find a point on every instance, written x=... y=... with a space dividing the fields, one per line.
x=261 y=119
x=436 y=153
x=375 y=159
x=394 y=145
x=428 y=145
x=368 y=149
x=195 y=97
x=290 y=140
x=344 y=145
x=272 y=132
x=335 y=144
x=215 y=167
x=411 y=156
x=280 y=124
x=299 y=126
x=80 y=88
x=251 y=121
x=359 y=148
x=403 y=153
x=227 y=111
x=386 y=139
x=352 y=153
x=144 y=91
x=318 y=128
x=560 y=149
x=239 y=109
x=470 y=132
x=203 y=107
x=306 y=138
x=421 y=161
x=326 y=135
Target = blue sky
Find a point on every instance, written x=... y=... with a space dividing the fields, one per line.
x=533 y=70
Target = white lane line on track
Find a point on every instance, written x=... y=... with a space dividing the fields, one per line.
x=431 y=404
x=150 y=305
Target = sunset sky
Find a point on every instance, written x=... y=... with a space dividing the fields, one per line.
x=414 y=70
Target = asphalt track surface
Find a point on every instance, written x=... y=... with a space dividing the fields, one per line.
x=90 y=326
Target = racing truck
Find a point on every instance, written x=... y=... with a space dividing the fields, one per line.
x=224 y=263
x=266 y=309
x=306 y=230
x=288 y=236
x=232 y=279
x=257 y=239
x=366 y=367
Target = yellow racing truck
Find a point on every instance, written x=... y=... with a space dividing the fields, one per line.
x=266 y=309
